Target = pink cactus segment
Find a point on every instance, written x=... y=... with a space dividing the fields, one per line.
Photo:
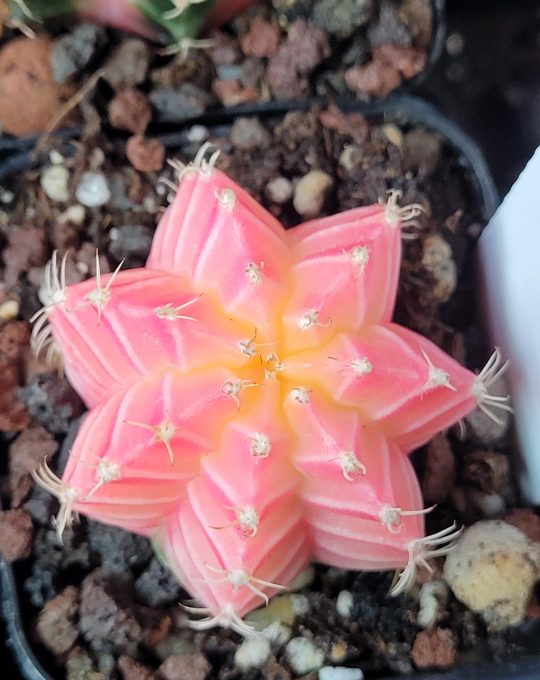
x=356 y=542
x=387 y=373
x=253 y=403
x=151 y=321
x=357 y=255
x=347 y=467
x=256 y=526
x=122 y=471
x=120 y=14
x=203 y=556
x=413 y=426
x=215 y=234
x=258 y=442
x=225 y=10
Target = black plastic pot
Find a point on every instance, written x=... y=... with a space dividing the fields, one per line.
x=403 y=110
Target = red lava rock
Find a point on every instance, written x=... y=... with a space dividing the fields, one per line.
x=26 y=248
x=15 y=534
x=303 y=50
x=407 y=60
x=185 y=667
x=248 y=134
x=29 y=96
x=375 y=78
x=353 y=124
x=526 y=520
x=262 y=39
x=13 y=414
x=56 y=625
x=132 y=670
x=14 y=337
x=25 y=455
x=157 y=631
x=486 y=471
x=145 y=155
x=233 y=93
x=130 y=110
x=434 y=649
x=225 y=51
x=439 y=471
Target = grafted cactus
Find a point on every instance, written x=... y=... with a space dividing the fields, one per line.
x=181 y=20
x=252 y=404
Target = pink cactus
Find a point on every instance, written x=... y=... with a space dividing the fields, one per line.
x=252 y=403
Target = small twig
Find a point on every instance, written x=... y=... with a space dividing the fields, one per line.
x=68 y=107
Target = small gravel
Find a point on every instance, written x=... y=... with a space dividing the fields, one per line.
x=56 y=626
x=73 y=51
x=93 y=190
x=15 y=534
x=248 y=134
x=344 y=603
x=310 y=193
x=54 y=182
x=339 y=673
x=185 y=667
x=128 y=65
x=252 y=653
x=303 y=656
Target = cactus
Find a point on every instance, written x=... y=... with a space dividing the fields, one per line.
x=180 y=20
x=252 y=404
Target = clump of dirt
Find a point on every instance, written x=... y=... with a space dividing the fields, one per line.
x=30 y=98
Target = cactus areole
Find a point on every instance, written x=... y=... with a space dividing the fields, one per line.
x=252 y=404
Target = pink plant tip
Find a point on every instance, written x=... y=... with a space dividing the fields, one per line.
x=252 y=404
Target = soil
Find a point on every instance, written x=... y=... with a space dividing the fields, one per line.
x=100 y=606
x=279 y=49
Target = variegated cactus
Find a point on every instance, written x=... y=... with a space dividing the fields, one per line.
x=252 y=404
x=181 y=20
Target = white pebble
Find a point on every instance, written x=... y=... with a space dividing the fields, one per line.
x=491 y=505
x=344 y=603
x=54 y=182
x=279 y=190
x=430 y=598
x=492 y=569
x=277 y=634
x=197 y=134
x=93 y=190
x=310 y=192
x=303 y=656
x=437 y=259
x=9 y=310
x=252 y=653
x=300 y=604
x=339 y=673
x=74 y=214
x=56 y=157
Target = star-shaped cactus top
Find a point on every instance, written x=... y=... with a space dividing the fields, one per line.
x=251 y=402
